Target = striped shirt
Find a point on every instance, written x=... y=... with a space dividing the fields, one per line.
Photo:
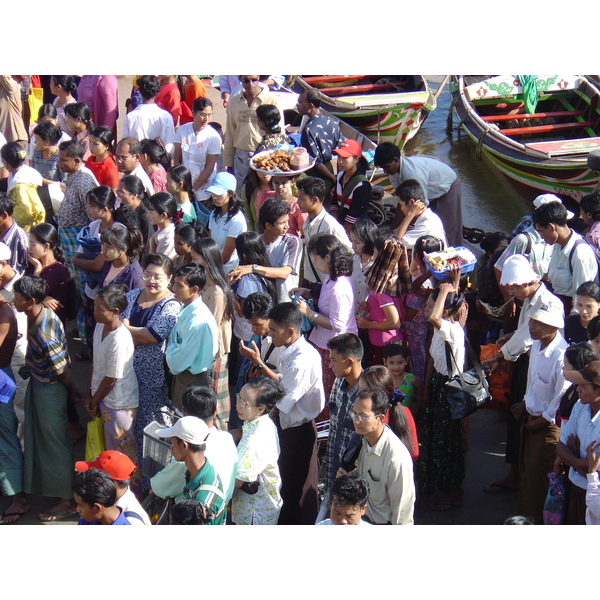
x=72 y=211
x=47 y=355
x=18 y=242
x=212 y=496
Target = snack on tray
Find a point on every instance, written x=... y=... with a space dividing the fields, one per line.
x=275 y=161
x=451 y=258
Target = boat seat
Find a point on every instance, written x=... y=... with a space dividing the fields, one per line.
x=541 y=115
x=358 y=89
x=313 y=80
x=545 y=128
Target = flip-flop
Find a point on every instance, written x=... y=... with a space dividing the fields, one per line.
x=15 y=514
x=444 y=506
x=55 y=516
x=498 y=488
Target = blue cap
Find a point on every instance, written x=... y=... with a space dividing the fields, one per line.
x=221 y=183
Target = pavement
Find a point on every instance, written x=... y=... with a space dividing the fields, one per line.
x=484 y=461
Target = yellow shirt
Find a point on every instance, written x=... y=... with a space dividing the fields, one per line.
x=242 y=130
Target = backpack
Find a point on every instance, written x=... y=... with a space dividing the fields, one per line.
x=488 y=289
x=572 y=253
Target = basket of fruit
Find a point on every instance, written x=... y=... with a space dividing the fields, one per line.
x=282 y=162
x=441 y=263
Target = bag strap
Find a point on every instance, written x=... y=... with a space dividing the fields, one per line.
x=577 y=242
x=317 y=278
x=471 y=355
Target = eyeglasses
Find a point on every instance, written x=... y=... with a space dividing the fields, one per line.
x=249 y=80
x=245 y=404
x=204 y=115
x=356 y=417
x=121 y=157
x=150 y=277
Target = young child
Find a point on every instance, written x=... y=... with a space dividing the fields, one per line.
x=162 y=212
x=382 y=324
x=256 y=190
x=396 y=357
x=592 y=496
x=593 y=333
x=284 y=190
x=414 y=303
x=100 y=162
x=113 y=391
x=95 y=495
x=348 y=497
x=179 y=183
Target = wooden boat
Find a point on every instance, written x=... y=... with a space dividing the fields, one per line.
x=545 y=149
x=386 y=108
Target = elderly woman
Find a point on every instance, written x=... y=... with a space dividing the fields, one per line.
x=335 y=314
x=256 y=500
x=150 y=315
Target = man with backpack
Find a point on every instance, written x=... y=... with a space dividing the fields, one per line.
x=573 y=260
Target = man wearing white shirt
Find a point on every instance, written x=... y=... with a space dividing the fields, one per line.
x=299 y=372
x=127 y=159
x=311 y=195
x=440 y=182
x=545 y=386
x=521 y=282
x=418 y=219
x=573 y=260
x=148 y=120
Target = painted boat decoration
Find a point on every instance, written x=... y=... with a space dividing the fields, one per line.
x=385 y=108
x=537 y=130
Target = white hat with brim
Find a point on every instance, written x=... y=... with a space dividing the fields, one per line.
x=550 y=313
x=191 y=429
x=517 y=271
x=545 y=198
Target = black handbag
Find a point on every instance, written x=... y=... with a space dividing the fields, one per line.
x=469 y=390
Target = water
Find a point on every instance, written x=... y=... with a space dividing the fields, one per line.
x=490 y=200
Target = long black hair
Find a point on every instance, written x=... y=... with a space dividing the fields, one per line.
x=340 y=258
x=252 y=250
x=207 y=248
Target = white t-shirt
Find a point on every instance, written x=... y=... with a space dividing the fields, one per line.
x=113 y=357
x=150 y=121
x=129 y=503
x=453 y=334
x=286 y=251
x=427 y=223
x=143 y=177
x=222 y=228
x=195 y=148
x=329 y=522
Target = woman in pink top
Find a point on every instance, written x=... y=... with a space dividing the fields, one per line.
x=335 y=313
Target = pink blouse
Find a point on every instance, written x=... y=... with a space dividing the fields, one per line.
x=337 y=303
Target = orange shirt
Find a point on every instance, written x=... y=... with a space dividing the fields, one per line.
x=106 y=172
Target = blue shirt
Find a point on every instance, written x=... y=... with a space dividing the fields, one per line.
x=120 y=520
x=193 y=341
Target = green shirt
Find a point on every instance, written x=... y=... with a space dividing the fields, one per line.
x=212 y=496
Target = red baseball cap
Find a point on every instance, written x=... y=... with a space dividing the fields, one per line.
x=349 y=148
x=116 y=464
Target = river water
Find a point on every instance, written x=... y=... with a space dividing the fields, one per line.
x=491 y=201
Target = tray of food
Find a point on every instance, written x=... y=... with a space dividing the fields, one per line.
x=440 y=263
x=282 y=162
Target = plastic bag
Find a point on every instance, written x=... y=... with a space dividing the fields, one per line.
x=94 y=440
x=500 y=380
x=554 y=506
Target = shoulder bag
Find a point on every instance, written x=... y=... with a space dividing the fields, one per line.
x=469 y=390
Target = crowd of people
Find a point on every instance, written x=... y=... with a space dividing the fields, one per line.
x=265 y=307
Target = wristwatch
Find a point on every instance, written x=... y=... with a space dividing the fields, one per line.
x=260 y=365
x=315 y=315
x=254 y=267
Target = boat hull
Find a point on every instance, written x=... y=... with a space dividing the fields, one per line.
x=566 y=175
x=394 y=117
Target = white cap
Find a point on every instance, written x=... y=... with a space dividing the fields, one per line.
x=5 y=253
x=191 y=429
x=551 y=312
x=545 y=198
x=517 y=271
